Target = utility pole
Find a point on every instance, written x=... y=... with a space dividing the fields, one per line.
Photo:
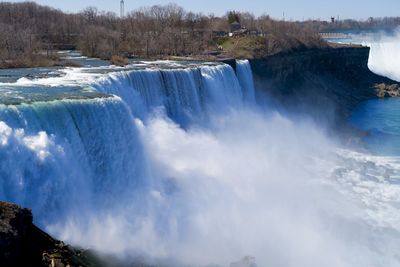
x=122 y=9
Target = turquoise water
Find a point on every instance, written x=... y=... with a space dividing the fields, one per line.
x=381 y=119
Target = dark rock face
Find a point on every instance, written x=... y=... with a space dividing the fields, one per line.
x=325 y=83
x=23 y=244
x=14 y=229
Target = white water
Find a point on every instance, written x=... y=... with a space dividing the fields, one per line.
x=186 y=95
x=59 y=152
x=385 y=55
x=121 y=175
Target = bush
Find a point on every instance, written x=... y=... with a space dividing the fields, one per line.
x=119 y=61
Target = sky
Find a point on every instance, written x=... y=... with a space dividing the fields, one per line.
x=293 y=9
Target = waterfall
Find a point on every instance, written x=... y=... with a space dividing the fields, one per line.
x=66 y=150
x=175 y=164
x=186 y=95
x=384 y=56
x=59 y=155
x=245 y=77
x=62 y=151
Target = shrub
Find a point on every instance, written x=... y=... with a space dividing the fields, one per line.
x=119 y=61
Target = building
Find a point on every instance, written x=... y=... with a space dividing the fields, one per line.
x=235 y=26
x=219 y=34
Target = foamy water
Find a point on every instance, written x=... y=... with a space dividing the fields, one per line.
x=182 y=165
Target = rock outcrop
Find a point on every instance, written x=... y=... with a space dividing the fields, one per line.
x=387 y=90
x=325 y=83
x=24 y=244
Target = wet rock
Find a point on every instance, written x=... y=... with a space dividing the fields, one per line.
x=387 y=90
x=326 y=84
x=24 y=244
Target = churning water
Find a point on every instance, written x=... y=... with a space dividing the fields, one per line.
x=385 y=55
x=180 y=164
x=381 y=118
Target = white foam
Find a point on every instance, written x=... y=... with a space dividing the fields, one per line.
x=244 y=182
x=384 y=58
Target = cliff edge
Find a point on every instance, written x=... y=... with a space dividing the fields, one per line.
x=24 y=244
x=326 y=83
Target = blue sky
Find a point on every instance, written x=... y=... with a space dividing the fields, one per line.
x=358 y=9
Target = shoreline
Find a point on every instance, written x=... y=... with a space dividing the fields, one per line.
x=36 y=62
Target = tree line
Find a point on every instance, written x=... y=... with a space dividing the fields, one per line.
x=28 y=29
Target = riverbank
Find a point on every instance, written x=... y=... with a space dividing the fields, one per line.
x=36 y=61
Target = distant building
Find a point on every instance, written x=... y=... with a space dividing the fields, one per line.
x=242 y=32
x=219 y=34
x=333 y=19
x=235 y=26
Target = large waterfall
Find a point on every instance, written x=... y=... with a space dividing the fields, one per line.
x=186 y=95
x=176 y=163
x=58 y=152
x=88 y=151
x=384 y=55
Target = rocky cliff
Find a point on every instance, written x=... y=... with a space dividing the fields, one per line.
x=23 y=244
x=325 y=83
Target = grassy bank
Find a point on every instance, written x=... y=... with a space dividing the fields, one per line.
x=35 y=61
x=271 y=44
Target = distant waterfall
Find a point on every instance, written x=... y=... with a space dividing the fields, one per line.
x=245 y=77
x=384 y=57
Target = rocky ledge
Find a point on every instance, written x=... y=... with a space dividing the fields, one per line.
x=387 y=90
x=326 y=83
x=24 y=244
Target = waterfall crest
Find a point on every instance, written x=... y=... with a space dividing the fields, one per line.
x=186 y=95
x=88 y=150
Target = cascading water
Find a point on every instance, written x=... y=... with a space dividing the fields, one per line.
x=184 y=94
x=384 y=55
x=180 y=165
x=56 y=152
x=243 y=72
x=380 y=117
